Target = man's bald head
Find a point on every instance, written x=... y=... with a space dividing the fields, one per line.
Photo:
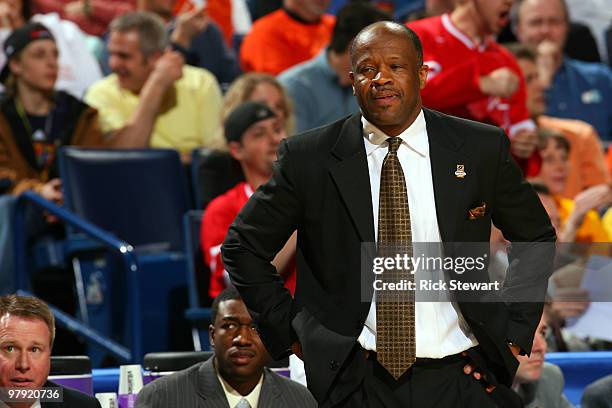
x=380 y=28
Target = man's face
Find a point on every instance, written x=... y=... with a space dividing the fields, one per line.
x=37 y=65
x=25 y=352
x=239 y=353
x=555 y=167
x=127 y=61
x=536 y=103
x=541 y=20
x=387 y=79
x=257 y=149
x=530 y=368
x=493 y=14
x=11 y=13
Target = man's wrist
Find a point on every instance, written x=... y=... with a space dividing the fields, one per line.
x=181 y=39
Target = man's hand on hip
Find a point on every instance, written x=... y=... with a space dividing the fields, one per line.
x=472 y=369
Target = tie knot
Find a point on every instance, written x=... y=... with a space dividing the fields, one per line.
x=243 y=403
x=394 y=144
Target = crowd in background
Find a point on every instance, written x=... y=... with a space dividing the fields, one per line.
x=241 y=75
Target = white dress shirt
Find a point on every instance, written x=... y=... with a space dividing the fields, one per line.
x=234 y=397
x=440 y=328
x=36 y=404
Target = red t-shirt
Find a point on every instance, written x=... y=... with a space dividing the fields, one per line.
x=277 y=42
x=102 y=13
x=216 y=220
x=455 y=67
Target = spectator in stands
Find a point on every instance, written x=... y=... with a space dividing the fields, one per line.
x=92 y=16
x=253 y=133
x=472 y=76
x=424 y=9
x=569 y=299
x=578 y=219
x=232 y=16
x=261 y=88
x=598 y=394
x=34 y=119
x=78 y=68
x=198 y=38
x=235 y=376
x=586 y=158
x=538 y=383
x=152 y=99
x=574 y=89
x=27 y=332
x=597 y=15
x=321 y=87
x=286 y=37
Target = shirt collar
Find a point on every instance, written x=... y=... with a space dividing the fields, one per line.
x=248 y=190
x=414 y=137
x=459 y=35
x=233 y=396
x=36 y=404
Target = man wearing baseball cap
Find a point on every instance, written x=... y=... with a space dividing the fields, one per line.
x=21 y=38
x=253 y=133
x=78 y=68
x=35 y=119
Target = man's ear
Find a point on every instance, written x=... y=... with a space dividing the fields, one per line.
x=423 y=71
x=211 y=336
x=235 y=150
x=352 y=76
x=15 y=66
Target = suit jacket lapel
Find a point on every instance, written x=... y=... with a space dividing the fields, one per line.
x=445 y=155
x=209 y=387
x=351 y=176
x=270 y=392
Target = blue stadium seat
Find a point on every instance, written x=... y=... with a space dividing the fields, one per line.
x=139 y=196
x=198 y=278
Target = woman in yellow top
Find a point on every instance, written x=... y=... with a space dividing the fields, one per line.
x=579 y=219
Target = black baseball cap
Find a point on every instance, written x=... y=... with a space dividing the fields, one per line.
x=19 y=39
x=243 y=117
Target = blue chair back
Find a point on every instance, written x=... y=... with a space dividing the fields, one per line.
x=139 y=195
x=198 y=280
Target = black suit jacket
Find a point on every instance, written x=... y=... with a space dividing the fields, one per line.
x=321 y=187
x=198 y=386
x=71 y=399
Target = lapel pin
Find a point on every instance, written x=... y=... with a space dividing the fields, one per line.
x=460 y=173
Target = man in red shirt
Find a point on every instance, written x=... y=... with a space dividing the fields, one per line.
x=253 y=133
x=472 y=76
x=284 y=38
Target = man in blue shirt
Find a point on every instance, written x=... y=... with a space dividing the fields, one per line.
x=321 y=87
x=575 y=89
